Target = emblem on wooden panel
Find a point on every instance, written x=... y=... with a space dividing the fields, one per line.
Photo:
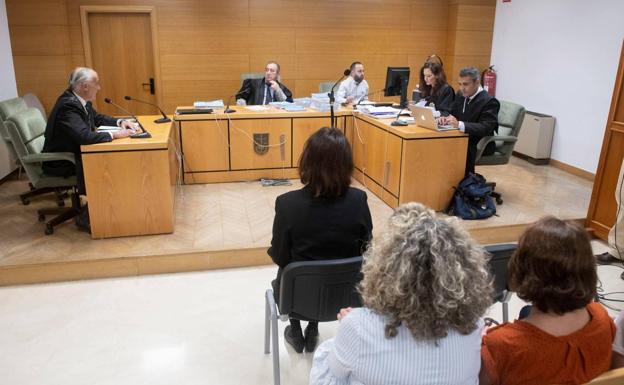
x=261 y=143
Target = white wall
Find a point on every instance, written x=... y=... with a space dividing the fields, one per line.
x=560 y=57
x=8 y=89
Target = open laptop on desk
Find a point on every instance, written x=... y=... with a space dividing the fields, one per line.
x=424 y=118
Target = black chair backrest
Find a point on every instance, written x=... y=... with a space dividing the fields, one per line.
x=317 y=290
x=498 y=266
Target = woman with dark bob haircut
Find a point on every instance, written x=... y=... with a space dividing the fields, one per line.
x=566 y=338
x=326 y=219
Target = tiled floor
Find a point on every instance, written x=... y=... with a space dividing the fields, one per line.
x=240 y=215
x=187 y=328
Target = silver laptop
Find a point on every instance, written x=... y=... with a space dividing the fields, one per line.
x=423 y=116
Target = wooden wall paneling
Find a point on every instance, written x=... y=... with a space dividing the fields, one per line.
x=374 y=15
x=36 y=12
x=431 y=16
x=602 y=206
x=242 y=154
x=48 y=40
x=204 y=67
x=230 y=14
x=189 y=39
x=264 y=13
x=45 y=76
x=205 y=145
x=313 y=41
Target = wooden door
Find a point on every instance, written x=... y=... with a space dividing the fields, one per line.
x=602 y=207
x=122 y=55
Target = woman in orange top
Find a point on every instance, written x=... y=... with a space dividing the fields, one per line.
x=566 y=339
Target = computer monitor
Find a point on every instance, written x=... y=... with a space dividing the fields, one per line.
x=397 y=79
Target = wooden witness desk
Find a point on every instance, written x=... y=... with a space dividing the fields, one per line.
x=131 y=183
x=398 y=164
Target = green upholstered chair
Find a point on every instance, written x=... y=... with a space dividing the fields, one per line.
x=7 y=108
x=326 y=86
x=510 y=117
x=251 y=75
x=31 y=100
x=26 y=129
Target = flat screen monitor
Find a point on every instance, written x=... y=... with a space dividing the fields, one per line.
x=397 y=79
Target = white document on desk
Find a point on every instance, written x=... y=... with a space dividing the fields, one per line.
x=257 y=108
x=108 y=128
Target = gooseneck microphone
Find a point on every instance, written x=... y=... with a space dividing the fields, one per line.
x=346 y=73
x=228 y=110
x=143 y=134
x=164 y=119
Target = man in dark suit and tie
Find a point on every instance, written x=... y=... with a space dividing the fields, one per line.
x=72 y=123
x=473 y=112
x=264 y=90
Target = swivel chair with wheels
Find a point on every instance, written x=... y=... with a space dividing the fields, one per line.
x=25 y=130
x=510 y=117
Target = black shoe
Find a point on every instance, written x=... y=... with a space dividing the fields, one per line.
x=311 y=339
x=296 y=340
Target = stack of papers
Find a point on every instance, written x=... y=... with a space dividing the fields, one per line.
x=292 y=107
x=217 y=103
x=379 y=112
x=257 y=108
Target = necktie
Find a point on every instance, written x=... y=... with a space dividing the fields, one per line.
x=90 y=117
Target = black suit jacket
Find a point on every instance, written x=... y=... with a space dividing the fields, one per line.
x=480 y=117
x=252 y=91
x=443 y=99
x=307 y=228
x=70 y=126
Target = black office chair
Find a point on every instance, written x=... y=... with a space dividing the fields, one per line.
x=500 y=255
x=311 y=291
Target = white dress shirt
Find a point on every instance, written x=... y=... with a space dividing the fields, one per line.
x=361 y=354
x=467 y=100
x=348 y=87
x=84 y=105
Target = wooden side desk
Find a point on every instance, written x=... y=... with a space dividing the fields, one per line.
x=131 y=183
x=398 y=164
x=403 y=164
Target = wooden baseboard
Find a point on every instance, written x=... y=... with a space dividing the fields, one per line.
x=132 y=266
x=572 y=170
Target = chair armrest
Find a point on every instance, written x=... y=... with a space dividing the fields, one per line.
x=48 y=156
x=487 y=139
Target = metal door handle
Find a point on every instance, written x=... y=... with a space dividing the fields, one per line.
x=150 y=84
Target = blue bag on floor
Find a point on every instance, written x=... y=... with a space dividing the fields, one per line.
x=472 y=199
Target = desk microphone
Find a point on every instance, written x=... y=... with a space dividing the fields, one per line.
x=164 y=119
x=370 y=93
x=143 y=134
x=228 y=110
x=398 y=122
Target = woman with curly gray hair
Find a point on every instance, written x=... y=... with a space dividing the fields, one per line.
x=425 y=289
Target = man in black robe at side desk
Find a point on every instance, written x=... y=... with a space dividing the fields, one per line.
x=264 y=90
x=474 y=112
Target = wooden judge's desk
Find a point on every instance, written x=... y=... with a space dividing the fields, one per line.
x=398 y=164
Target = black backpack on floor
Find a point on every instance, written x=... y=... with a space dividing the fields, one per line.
x=472 y=199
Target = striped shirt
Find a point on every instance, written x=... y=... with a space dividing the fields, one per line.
x=361 y=354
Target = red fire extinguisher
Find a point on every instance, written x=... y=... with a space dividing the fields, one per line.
x=489 y=81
